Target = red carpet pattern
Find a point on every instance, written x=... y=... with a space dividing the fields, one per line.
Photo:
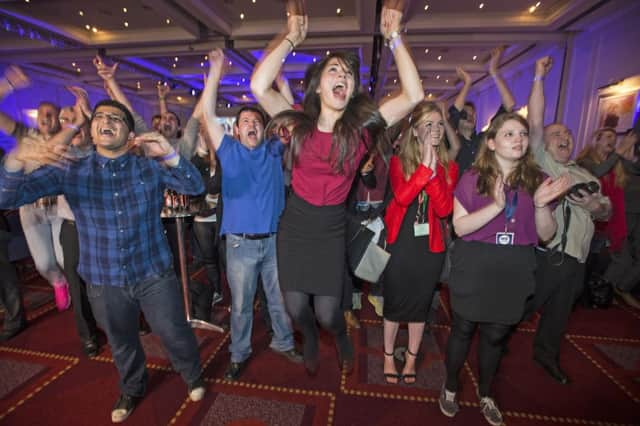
x=45 y=378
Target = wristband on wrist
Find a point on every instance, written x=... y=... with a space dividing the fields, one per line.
x=72 y=126
x=394 y=41
x=168 y=157
x=538 y=78
x=290 y=42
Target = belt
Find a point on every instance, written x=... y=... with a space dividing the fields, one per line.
x=255 y=236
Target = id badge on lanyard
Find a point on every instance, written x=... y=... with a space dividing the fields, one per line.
x=421 y=226
x=507 y=238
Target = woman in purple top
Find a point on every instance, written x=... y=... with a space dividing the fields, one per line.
x=500 y=210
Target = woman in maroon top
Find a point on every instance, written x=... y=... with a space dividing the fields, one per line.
x=343 y=123
x=500 y=210
x=422 y=179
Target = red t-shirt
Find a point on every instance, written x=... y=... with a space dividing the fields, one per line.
x=313 y=178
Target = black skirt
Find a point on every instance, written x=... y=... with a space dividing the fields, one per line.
x=312 y=248
x=491 y=283
x=411 y=275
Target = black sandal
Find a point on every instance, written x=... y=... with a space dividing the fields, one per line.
x=412 y=376
x=388 y=376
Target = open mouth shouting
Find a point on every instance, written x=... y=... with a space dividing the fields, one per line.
x=105 y=131
x=340 y=91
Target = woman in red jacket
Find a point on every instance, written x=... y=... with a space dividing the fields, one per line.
x=422 y=179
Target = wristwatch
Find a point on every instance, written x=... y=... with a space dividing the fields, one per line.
x=393 y=35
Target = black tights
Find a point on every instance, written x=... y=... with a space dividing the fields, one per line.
x=493 y=338
x=328 y=313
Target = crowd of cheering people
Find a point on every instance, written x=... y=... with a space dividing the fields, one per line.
x=90 y=186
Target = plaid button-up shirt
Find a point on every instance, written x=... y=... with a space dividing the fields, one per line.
x=117 y=204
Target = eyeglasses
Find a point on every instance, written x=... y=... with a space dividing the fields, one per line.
x=102 y=116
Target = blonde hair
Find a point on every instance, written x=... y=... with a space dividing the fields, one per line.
x=588 y=154
x=526 y=175
x=410 y=155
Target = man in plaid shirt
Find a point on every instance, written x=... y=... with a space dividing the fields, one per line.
x=116 y=198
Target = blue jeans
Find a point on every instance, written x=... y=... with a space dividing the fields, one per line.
x=246 y=259
x=117 y=310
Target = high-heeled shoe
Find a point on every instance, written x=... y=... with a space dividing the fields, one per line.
x=411 y=376
x=391 y=378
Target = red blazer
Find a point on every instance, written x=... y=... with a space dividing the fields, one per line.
x=439 y=190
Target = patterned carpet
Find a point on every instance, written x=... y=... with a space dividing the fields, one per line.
x=46 y=380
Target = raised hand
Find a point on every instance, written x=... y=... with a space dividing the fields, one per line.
x=104 y=71
x=499 y=197
x=82 y=102
x=390 y=21
x=551 y=189
x=153 y=144
x=297 y=26
x=216 y=60
x=463 y=75
x=543 y=66
x=16 y=78
x=494 y=61
x=36 y=149
x=164 y=89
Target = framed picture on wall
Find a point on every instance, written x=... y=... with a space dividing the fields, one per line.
x=617 y=111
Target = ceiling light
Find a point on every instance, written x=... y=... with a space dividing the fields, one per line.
x=431 y=95
x=206 y=57
x=81 y=13
x=395 y=80
x=26 y=1
x=237 y=83
x=175 y=59
x=439 y=57
x=481 y=5
x=314 y=60
x=426 y=51
x=244 y=96
x=301 y=81
x=243 y=79
x=124 y=9
x=174 y=64
x=230 y=63
x=338 y=11
x=126 y=24
x=328 y=52
x=426 y=7
x=253 y=1
x=438 y=77
x=73 y=64
x=242 y=16
x=294 y=53
x=168 y=21
x=475 y=57
x=138 y=84
x=193 y=92
x=179 y=98
x=538 y=4
x=78 y=70
x=446 y=81
x=228 y=105
x=94 y=29
x=202 y=64
x=88 y=27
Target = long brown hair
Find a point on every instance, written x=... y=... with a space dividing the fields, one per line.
x=526 y=175
x=588 y=154
x=360 y=112
x=410 y=155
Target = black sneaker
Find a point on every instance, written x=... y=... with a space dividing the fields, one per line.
x=233 y=370
x=90 y=347
x=124 y=407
